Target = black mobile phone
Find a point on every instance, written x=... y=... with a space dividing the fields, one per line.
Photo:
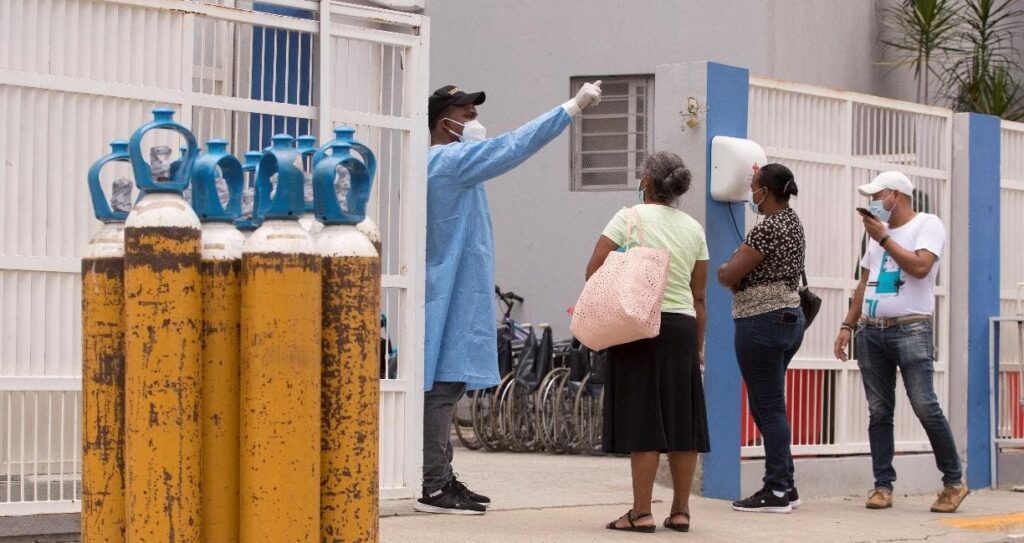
x=865 y=212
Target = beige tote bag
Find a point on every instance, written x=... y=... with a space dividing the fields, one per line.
x=621 y=302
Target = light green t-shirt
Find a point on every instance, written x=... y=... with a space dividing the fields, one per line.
x=666 y=227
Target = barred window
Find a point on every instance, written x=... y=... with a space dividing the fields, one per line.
x=611 y=140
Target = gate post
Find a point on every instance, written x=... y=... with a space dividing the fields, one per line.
x=704 y=100
x=974 y=290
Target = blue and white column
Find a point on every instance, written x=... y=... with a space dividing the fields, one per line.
x=974 y=290
x=719 y=94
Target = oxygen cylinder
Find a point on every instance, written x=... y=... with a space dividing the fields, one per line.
x=163 y=318
x=279 y=478
x=103 y=492
x=221 y=275
x=350 y=394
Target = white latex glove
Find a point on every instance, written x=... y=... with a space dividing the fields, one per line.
x=589 y=95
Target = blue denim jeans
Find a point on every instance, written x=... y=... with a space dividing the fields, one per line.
x=765 y=345
x=910 y=348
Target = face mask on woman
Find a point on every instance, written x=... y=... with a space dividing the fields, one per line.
x=754 y=206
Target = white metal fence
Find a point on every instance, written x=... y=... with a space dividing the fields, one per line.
x=834 y=141
x=75 y=74
x=1010 y=412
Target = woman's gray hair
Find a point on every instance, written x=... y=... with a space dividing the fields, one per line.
x=668 y=175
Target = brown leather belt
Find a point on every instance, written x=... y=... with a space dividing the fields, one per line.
x=888 y=322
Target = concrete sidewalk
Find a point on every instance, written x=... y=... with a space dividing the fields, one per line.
x=542 y=498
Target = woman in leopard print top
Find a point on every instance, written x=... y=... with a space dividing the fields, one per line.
x=764 y=275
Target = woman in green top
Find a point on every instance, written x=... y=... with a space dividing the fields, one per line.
x=654 y=396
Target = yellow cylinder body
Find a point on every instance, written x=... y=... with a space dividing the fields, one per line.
x=163 y=317
x=279 y=481
x=350 y=463
x=103 y=493
x=222 y=296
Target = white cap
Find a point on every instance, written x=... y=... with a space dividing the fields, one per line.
x=888 y=180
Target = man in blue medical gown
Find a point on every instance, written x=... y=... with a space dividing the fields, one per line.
x=461 y=340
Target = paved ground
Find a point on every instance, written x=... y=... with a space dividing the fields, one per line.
x=540 y=498
x=545 y=498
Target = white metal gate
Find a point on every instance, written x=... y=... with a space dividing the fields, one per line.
x=1010 y=412
x=834 y=141
x=75 y=74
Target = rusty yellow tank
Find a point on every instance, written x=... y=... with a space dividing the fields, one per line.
x=103 y=492
x=350 y=397
x=163 y=316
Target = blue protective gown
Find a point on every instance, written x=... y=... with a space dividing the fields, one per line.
x=461 y=339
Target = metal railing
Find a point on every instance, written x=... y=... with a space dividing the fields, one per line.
x=1006 y=395
x=84 y=72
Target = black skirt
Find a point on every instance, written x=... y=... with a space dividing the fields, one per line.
x=654 y=397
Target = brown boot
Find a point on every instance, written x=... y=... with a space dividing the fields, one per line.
x=950 y=499
x=880 y=498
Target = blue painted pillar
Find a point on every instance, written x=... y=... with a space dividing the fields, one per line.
x=727 y=96
x=980 y=207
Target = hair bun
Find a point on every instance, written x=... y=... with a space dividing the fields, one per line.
x=668 y=174
x=678 y=181
x=779 y=180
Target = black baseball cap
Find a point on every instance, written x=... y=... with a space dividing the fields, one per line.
x=450 y=95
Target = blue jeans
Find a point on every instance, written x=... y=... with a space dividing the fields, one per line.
x=765 y=345
x=910 y=348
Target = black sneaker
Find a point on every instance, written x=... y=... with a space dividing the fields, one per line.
x=462 y=489
x=794 y=498
x=763 y=501
x=448 y=501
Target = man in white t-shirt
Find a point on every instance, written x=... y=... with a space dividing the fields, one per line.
x=892 y=313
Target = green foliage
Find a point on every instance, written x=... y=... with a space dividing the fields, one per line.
x=966 y=45
x=919 y=32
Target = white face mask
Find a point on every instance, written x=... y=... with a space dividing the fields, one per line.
x=471 y=131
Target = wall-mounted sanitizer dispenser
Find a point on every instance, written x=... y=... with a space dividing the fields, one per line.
x=733 y=163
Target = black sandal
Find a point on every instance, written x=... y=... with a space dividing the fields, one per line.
x=677 y=526
x=632 y=518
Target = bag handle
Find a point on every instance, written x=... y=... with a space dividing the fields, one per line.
x=635 y=223
x=803 y=274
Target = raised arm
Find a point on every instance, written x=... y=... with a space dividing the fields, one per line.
x=477 y=162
